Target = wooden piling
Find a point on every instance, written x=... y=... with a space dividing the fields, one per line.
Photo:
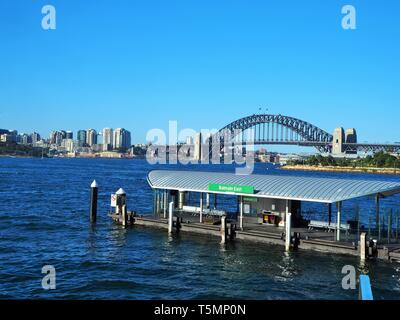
x=124 y=215
x=93 y=201
x=288 y=225
x=363 y=246
x=170 y=216
x=223 y=229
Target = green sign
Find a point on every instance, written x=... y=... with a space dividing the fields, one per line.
x=234 y=188
x=250 y=199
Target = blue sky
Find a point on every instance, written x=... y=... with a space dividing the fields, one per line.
x=138 y=64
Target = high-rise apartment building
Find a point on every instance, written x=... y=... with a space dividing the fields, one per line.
x=81 y=136
x=121 y=138
x=108 y=139
x=91 y=137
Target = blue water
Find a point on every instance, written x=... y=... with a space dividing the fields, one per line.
x=44 y=220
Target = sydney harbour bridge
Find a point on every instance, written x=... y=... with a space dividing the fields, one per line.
x=269 y=129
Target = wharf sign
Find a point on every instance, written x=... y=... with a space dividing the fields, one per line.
x=234 y=188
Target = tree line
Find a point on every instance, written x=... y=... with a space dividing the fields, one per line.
x=378 y=160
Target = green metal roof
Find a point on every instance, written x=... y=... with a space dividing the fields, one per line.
x=327 y=190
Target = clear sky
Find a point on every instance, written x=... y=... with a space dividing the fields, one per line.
x=138 y=64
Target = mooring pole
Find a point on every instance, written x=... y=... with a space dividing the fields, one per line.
x=241 y=213
x=288 y=225
x=93 y=201
x=170 y=217
x=363 y=246
x=223 y=229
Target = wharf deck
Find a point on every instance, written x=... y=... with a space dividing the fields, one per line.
x=309 y=239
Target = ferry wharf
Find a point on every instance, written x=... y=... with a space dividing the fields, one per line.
x=268 y=210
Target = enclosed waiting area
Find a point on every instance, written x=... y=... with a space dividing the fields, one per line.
x=269 y=203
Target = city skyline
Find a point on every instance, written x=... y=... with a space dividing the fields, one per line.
x=201 y=68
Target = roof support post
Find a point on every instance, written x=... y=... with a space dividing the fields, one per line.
x=165 y=203
x=377 y=210
x=201 y=207
x=241 y=213
x=181 y=199
x=154 y=202
x=207 y=200
x=162 y=194
x=339 y=209
x=215 y=201
x=288 y=227
x=329 y=213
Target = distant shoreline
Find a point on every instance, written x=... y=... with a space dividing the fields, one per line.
x=37 y=157
x=342 y=169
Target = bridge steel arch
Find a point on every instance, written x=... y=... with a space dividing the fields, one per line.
x=309 y=133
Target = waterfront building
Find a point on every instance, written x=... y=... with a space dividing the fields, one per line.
x=68 y=145
x=197 y=147
x=97 y=147
x=56 y=138
x=81 y=136
x=107 y=139
x=121 y=139
x=91 y=137
x=69 y=135
x=285 y=158
x=14 y=135
x=5 y=137
x=26 y=139
x=35 y=137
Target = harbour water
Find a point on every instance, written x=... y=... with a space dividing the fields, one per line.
x=44 y=220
